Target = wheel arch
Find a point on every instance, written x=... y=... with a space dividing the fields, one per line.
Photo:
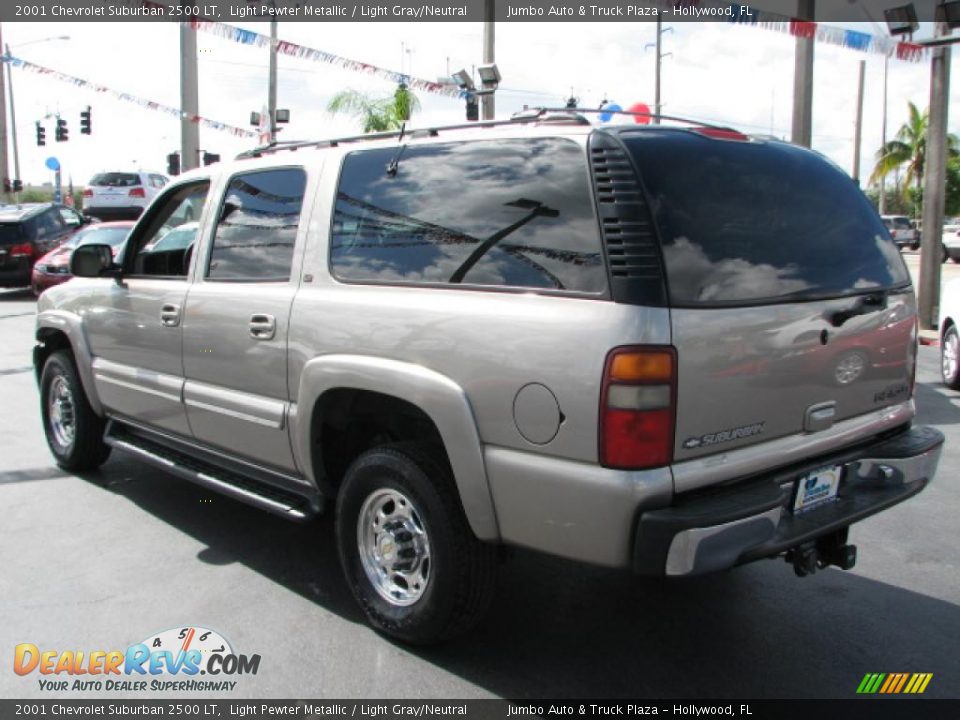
x=327 y=381
x=58 y=330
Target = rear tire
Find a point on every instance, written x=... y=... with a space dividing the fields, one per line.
x=950 y=358
x=408 y=553
x=73 y=430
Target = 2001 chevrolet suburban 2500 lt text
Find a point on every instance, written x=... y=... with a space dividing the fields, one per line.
x=671 y=349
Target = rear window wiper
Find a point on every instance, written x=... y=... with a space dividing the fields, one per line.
x=864 y=305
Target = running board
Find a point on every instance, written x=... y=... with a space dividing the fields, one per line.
x=284 y=503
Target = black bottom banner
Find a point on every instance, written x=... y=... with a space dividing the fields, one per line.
x=853 y=709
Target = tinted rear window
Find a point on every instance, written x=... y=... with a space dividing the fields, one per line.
x=10 y=234
x=750 y=223
x=115 y=179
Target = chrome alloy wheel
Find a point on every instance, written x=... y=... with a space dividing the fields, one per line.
x=948 y=356
x=62 y=416
x=394 y=547
x=849 y=368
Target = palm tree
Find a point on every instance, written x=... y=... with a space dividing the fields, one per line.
x=377 y=114
x=909 y=148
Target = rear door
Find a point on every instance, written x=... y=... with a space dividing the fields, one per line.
x=791 y=307
x=237 y=318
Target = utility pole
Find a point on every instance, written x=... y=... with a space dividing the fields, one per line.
x=658 y=46
x=656 y=86
x=883 y=137
x=189 y=102
x=858 y=133
x=934 y=184
x=13 y=128
x=802 y=128
x=272 y=88
x=4 y=168
x=487 y=102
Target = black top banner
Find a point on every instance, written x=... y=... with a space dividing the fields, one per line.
x=751 y=11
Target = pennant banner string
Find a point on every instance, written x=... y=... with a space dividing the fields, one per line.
x=291 y=49
x=859 y=41
x=127 y=97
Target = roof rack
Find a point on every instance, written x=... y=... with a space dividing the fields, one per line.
x=538 y=115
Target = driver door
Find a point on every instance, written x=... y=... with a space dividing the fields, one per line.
x=135 y=329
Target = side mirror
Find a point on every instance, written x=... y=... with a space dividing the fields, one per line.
x=92 y=260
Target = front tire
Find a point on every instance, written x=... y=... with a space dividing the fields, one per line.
x=950 y=358
x=409 y=556
x=73 y=430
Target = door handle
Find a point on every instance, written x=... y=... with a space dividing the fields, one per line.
x=170 y=315
x=263 y=326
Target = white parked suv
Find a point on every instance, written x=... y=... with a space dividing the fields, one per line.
x=951 y=239
x=121 y=195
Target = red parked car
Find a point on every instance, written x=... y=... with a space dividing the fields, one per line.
x=54 y=267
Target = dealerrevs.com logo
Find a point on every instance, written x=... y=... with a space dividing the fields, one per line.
x=170 y=661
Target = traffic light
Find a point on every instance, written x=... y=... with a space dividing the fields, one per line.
x=210 y=158
x=17 y=186
x=173 y=163
x=41 y=135
x=473 y=108
x=62 y=133
x=7 y=188
x=85 y=121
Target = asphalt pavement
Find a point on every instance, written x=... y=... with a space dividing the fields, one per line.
x=105 y=560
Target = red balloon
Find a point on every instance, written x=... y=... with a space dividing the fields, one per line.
x=640 y=108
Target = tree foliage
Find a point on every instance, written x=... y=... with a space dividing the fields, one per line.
x=377 y=114
x=908 y=150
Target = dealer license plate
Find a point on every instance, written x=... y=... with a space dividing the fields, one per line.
x=817 y=488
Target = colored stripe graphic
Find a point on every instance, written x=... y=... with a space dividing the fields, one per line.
x=894 y=683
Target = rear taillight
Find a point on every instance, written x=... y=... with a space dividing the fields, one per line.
x=21 y=250
x=137 y=192
x=88 y=193
x=637 y=408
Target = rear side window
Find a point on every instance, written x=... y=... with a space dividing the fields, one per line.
x=257 y=226
x=753 y=223
x=115 y=179
x=514 y=213
x=11 y=233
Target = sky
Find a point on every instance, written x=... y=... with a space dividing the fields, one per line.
x=717 y=72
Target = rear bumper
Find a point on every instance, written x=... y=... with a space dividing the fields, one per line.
x=131 y=212
x=16 y=276
x=712 y=530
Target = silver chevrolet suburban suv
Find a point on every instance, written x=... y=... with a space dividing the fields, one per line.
x=668 y=349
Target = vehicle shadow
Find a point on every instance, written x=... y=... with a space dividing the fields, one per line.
x=561 y=629
x=16 y=294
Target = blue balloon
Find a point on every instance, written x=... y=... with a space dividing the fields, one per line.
x=608 y=111
x=53 y=164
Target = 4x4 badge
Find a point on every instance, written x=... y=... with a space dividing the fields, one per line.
x=744 y=431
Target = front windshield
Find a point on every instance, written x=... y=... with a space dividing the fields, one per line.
x=112 y=236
